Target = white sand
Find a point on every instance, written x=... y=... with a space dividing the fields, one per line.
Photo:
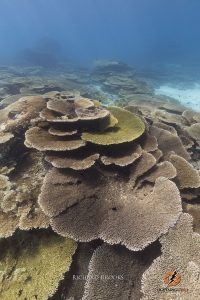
x=188 y=97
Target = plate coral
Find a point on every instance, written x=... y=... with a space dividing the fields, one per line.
x=98 y=188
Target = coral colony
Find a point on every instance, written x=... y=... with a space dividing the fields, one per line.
x=100 y=191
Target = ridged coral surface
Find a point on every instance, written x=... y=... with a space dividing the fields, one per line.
x=128 y=128
x=32 y=264
x=116 y=180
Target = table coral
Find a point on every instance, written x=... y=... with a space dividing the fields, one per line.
x=128 y=129
x=183 y=241
x=88 y=204
x=97 y=173
x=115 y=272
x=32 y=264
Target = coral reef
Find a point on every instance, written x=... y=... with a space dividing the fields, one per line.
x=31 y=265
x=110 y=81
x=116 y=180
x=128 y=128
x=117 y=272
x=19 y=192
x=98 y=210
x=18 y=115
x=22 y=171
x=182 y=240
x=119 y=195
x=72 y=287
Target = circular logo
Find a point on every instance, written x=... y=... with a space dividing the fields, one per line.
x=172 y=278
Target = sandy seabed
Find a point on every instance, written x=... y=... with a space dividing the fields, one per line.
x=189 y=97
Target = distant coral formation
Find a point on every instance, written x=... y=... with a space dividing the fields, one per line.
x=114 y=180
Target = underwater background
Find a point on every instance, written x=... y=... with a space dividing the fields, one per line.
x=158 y=38
x=99 y=149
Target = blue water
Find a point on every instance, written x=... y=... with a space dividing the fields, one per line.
x=159 y=37
x=135 y=31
